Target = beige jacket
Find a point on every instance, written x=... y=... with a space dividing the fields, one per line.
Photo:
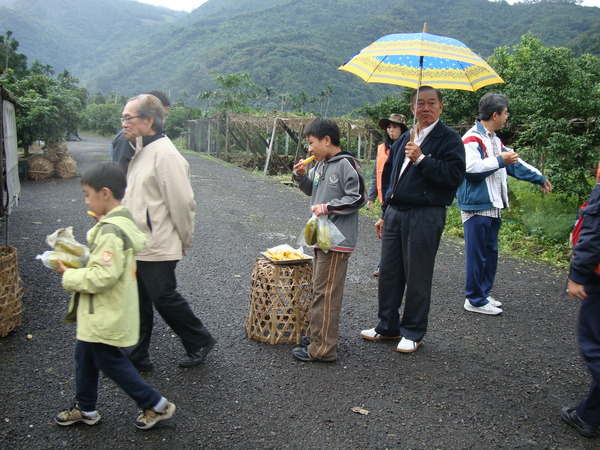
x=160 y=197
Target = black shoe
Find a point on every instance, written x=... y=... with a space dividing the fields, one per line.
x=570 y=417
x=144 y=365
x=305 y=341
x=301 y=354
x=193 y=359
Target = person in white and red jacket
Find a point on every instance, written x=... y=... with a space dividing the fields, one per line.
x=482 y=196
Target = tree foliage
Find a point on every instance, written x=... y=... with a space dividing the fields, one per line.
x=554 y=103
x=102 y=118
x=9 y=58
x=49 y=108
x=233 y=93
x=179 y=115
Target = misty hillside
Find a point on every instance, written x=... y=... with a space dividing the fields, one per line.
x=290 y=46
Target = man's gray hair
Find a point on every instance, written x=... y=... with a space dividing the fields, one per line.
x=491 y=103
x=150 y=106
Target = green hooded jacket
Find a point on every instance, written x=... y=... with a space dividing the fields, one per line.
x=105 y=294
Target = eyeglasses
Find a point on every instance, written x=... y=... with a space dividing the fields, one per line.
x=128 y=119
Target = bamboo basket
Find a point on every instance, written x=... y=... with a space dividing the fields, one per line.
x=10 y=291
x=40 y=168
x=280 y=300
x=65 y=167
x=56 y=152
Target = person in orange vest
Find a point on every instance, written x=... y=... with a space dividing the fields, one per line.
x=394 y=127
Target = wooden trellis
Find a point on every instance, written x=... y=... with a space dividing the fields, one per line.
x=223 y=134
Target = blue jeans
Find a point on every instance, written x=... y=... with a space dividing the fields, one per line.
x=91 y=358
x=481 y=247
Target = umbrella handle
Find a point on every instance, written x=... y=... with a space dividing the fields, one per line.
x=412 y=136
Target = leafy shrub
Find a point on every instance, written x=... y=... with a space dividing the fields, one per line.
x=103 y=119
x=176 y=123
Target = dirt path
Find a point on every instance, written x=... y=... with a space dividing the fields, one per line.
x=478 y=382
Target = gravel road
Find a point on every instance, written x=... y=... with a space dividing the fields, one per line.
x=478 y=382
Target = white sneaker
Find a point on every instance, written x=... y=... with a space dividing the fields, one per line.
x=485 y=309
x=493 y=301
x=408 y=346
x=372 y=335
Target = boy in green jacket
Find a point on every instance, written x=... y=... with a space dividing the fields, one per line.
x=105 y=304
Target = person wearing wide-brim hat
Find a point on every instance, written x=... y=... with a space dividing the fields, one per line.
x=396 y=118
x=394 y=127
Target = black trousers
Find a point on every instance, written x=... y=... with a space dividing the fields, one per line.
x=157 y=287
x=409 y=244
x=589 y=343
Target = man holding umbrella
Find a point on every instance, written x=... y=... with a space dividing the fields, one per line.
x=420 y=178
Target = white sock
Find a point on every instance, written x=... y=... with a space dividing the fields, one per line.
x=161 y=405
x=93 y=413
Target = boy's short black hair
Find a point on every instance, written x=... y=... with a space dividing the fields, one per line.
x=322 y=127
x=108 y=175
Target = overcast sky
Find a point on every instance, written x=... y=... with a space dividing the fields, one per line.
x=182 y=5
x=188 y=5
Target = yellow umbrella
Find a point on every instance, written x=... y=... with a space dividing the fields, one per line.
x=422 y=59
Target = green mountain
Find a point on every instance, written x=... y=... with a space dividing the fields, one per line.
x=79 y=34
x=291 y=46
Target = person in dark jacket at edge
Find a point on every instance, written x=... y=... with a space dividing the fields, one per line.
x=584 y=284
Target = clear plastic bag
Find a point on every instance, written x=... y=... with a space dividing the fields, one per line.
x=310 y=231
x=321 y=232
x=66 y=248
x=50 y=259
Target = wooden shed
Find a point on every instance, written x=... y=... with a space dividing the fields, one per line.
x=10 y=186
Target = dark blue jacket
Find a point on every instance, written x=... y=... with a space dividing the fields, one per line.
x=586 y=254
x=122 y=150
x=433 y=182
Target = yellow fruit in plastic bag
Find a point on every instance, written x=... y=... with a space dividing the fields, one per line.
x=70 y=246
x=50 y=260
x=324 y=236
x=310 y=231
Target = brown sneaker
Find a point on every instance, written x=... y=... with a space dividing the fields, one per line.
x=75 y=415
x=150 y=417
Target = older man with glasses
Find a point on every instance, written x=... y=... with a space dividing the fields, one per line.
x=160 y=197
x=122 y=149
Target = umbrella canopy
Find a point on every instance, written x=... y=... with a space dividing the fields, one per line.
x=422 y=59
